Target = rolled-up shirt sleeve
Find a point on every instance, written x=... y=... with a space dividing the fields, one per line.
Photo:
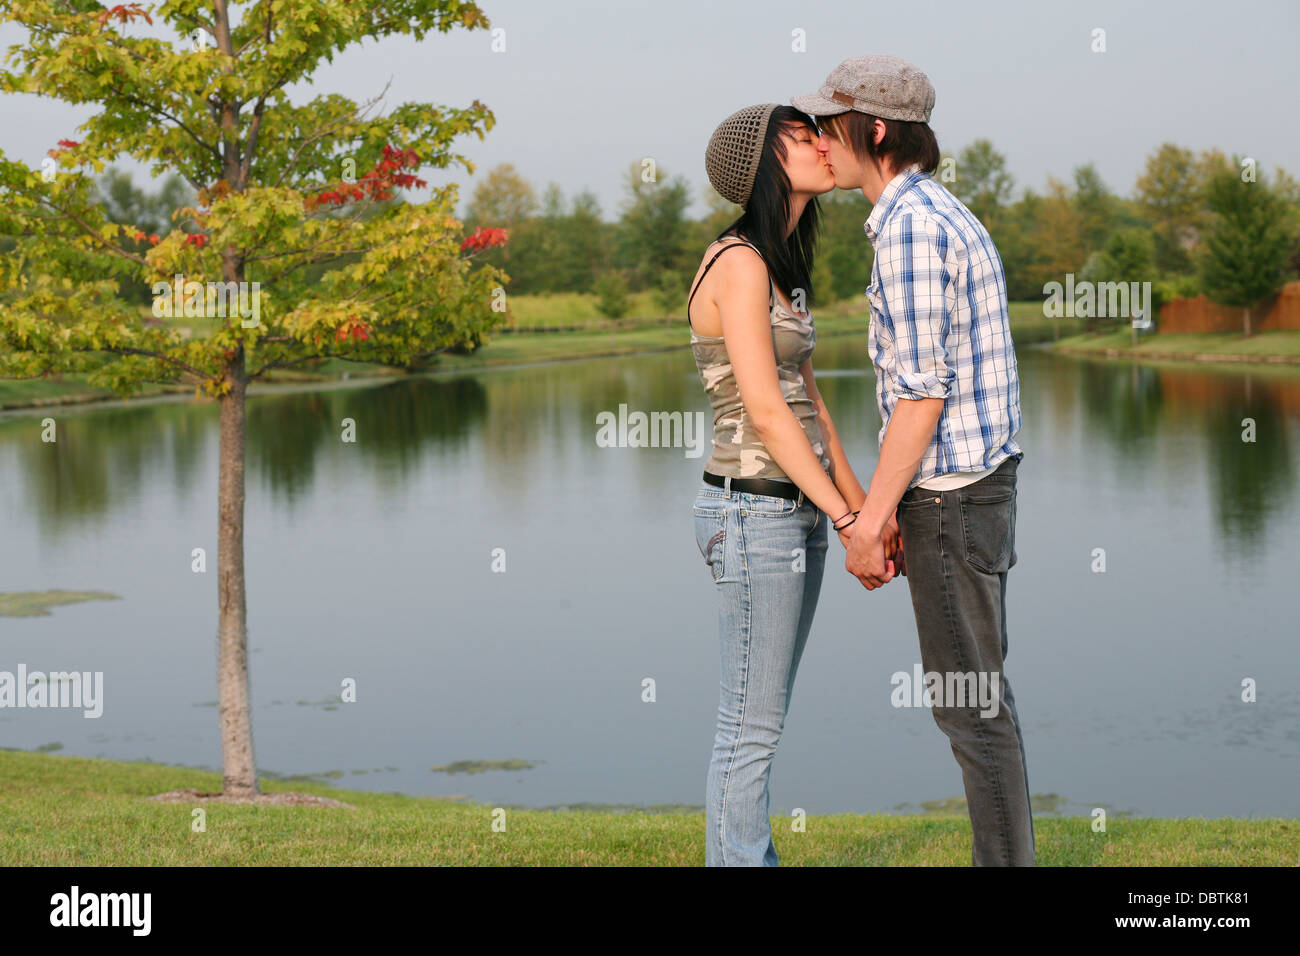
x=914 y=276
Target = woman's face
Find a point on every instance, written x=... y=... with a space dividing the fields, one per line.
x=805 y=165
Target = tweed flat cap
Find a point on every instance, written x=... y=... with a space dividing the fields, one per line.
x=731 y=158
x=885 y=86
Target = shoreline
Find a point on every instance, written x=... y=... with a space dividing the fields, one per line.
x=80 y=401
x=1032 y=335
x=1204 y=358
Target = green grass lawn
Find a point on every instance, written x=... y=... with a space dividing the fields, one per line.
x=1283 y=343
x=57 y=810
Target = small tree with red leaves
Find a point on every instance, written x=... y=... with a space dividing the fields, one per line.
x=282 y=188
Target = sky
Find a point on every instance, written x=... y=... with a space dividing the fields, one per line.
x=584 y=88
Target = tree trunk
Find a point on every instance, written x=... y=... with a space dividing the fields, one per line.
x=1246 y=320
x=238 y=771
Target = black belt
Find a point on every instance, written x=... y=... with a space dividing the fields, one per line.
x=757 y=486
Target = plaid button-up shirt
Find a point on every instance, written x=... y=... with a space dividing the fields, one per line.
x=939 y=325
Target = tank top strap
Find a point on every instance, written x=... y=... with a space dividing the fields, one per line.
x=735 y=241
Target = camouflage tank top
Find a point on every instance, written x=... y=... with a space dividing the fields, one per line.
x=737 y=449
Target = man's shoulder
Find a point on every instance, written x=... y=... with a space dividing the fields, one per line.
x=930 y=209
x=913 y=218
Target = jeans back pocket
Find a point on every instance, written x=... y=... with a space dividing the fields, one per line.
x=711 y=535
x=988 y=521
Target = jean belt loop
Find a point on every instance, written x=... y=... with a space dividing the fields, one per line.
x=800 y=504
x=728 y=486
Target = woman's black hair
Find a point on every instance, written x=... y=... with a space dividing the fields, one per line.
x=789 y=258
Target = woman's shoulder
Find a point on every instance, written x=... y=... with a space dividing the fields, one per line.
x=742 y=262
x=722 y=242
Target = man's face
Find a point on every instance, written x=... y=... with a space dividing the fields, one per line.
x=842 y=162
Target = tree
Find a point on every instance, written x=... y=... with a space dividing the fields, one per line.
x=1127 y=258
x=586 y=238
x=280 y=188
x=569 y=243
x=982 y=182
x=653 y=232
x=1096 y=205
x=506 y=200
x=1057 y=236
x=842 y=269
x=611 y=295
x=1248 y=247
x=127 y=205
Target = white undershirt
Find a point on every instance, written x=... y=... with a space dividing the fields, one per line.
x=956 y=479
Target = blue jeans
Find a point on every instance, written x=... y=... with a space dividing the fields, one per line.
x=766 y=556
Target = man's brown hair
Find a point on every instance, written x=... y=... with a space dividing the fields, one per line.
x=903 y=143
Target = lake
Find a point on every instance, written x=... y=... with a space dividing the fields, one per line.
x=374 y=560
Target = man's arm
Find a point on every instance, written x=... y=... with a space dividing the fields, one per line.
x=911 y=426
x=914 y=280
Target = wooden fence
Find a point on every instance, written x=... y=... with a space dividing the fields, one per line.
x=1202 y=315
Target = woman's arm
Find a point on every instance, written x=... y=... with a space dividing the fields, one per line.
x=845 y=480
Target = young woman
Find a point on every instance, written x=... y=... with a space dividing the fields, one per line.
x=777 y=464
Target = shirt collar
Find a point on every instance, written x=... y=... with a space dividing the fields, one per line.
x=889 y=197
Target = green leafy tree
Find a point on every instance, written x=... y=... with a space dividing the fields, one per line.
x=569 y=239
x=653 y=231
x=611 y=295
x=842 y=269
x=586 y=238
x=1128 y=257
x=280 y=188
x=1013 y=235
x=1098 y=209
x=1247 y=252
x=1166 y=194
x=982 y=182
x=127 y=205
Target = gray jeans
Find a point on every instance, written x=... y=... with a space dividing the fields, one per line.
x=958 y=546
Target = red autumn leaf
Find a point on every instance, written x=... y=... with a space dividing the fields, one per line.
x=484 y=238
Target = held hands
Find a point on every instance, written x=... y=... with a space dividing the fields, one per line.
x=873 y=559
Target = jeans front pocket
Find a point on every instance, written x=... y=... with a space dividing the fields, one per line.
x=988 y=521
x=767 y=506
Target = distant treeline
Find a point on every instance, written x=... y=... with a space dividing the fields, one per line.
x=1194 y=223
x=1159 y=234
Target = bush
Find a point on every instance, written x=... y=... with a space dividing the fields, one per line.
x=611 y=295
x=1174 y=287
x=670 y=293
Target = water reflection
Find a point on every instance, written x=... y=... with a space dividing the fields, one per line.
x=1130 y=414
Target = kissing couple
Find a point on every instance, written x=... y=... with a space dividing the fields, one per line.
x=940 y=508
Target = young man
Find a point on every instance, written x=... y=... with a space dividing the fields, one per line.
x=949 y=398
